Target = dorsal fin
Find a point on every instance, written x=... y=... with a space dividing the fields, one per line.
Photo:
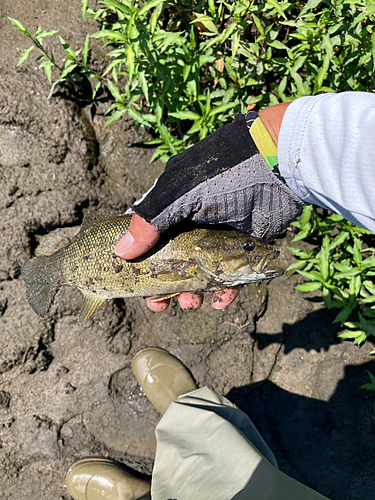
x=90 y=304
x=90 y=218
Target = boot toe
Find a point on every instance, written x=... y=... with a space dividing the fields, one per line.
x=162 y=377
x=103 y=479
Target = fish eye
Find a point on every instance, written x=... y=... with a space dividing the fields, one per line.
x=249 y=247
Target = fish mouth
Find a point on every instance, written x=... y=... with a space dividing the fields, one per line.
x=269 y=272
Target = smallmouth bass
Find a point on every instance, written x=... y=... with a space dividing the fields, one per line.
x=197 y=260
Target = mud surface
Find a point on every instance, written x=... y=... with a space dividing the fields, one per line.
x=66 y=387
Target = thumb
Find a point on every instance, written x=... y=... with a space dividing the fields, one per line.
x=141 y=236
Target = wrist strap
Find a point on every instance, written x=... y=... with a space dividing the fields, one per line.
x=263 y=141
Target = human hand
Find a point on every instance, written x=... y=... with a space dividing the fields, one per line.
x=142 y=236
x=222 y=179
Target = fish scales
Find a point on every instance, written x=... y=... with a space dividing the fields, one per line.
x=196 y=260
x=90 y=262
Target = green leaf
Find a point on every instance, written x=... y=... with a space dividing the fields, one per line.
x=129 y=60
x=150 y=4
x=19 y=26
x=300 y=253
x=309 y=287
x=343 y=315
x=126 y=9
x=363 y=322
x=369 y=262
x=306 y=215
x=300 y=87
x=324 y=259
x=296 y=265
x=118 y=114
x=222 y=108
x=368 y=387
x=322 y=73
x=201 y=19
x=54 y=85
x=44 y=34
x=186 y=71
x=170 y=39
x=115 y=91
x=372 y=377
x=306 y=231
x=166 y=136
x=47 y=65
x=277 y=6
x=185 y=115
x=25 y=55
x=83 y=8
x=228 y=31
x=351 y=335
x=258 y=24
x=339 y=239
x=137 y=117
x=369 y=286
x=311 y=4
x=211 y=6
x=111 y=35
x=68 y=50
x=143 y=83
x=95 y=91
x=207 y=22
x=235 y=43
x=312 y=275
x=276 y=44
x=85 y=51
x=357 y=247
x=195 y=127
x=69 y=67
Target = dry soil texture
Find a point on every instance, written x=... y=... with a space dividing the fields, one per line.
x=66 y=387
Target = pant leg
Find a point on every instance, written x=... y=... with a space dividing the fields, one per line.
x=209 y=449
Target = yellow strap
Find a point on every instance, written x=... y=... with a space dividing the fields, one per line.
x=264 y=143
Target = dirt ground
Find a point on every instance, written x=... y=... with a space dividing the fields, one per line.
x=66 y=387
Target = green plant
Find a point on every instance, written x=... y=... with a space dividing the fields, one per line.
x=342 y=266
x=369 y=386
x=182 y=69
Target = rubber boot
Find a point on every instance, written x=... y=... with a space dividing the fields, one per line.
x=104 y=479
x=162 y=377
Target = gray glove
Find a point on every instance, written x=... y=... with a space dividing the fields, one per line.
x=222 y=180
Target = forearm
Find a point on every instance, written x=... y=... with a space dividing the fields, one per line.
x=326 y=151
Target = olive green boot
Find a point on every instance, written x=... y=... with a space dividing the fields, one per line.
x=104 y=479
x=162 y=377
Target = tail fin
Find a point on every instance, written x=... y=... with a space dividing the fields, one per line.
x=43 y=279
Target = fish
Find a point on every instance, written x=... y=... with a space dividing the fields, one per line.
x=197 y=259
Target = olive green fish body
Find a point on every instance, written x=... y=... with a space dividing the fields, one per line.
x=197 y=260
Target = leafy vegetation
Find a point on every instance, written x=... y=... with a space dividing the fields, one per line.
x=184 y=68
x=342 y=266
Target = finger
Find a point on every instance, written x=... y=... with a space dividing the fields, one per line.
x=222 y=298
x=190 y=301
x=141 y=236
x=159 y=306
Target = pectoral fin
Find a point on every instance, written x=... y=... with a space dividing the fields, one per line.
x=171 y=270
x=157 y=298
x=90 y=304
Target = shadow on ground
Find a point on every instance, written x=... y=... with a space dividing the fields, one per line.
x=327 y=445
x=315 y=332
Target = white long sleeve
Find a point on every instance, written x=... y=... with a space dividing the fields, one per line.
x=326 y=153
